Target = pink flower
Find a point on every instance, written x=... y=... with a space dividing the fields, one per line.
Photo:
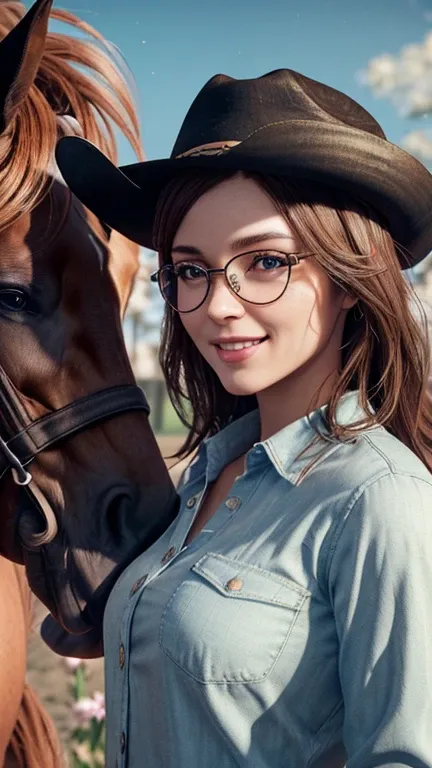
x=88 y=708
x=99 y=702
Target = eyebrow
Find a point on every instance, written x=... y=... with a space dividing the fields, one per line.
x=237 y=243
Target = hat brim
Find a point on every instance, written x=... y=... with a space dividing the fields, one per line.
x=383 y=174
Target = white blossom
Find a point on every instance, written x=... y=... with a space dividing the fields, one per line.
x=86 y=708
x=72 y=663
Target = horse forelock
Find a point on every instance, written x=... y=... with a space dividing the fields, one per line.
x=95 y=99
x=67 y=126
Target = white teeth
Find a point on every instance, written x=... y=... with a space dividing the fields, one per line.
x=239 y=344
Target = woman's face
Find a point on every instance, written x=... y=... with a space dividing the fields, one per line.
x=298 y=336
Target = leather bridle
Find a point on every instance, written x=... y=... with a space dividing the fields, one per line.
x=25 y=438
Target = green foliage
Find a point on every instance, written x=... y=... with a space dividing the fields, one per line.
x=171 y=424
x=88 y=734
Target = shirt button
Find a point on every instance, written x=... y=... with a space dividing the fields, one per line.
x=169 y=554
x=191 y=502
x=234 y=585
x=233 y=503
x=122 y=742
x=137 y=585
x=121 y=656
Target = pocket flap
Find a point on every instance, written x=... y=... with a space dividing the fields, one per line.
x=248 y=582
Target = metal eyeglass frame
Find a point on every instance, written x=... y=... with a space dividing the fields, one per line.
x=155 y=277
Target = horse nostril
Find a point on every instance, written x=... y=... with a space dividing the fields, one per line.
x=31 y=524
x=115 y=514
x=37 y=526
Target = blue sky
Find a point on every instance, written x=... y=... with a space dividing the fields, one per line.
x=174 y=46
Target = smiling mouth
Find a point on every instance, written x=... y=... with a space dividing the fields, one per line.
x=241 y=344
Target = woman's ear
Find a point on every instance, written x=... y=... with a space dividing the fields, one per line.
x=349 y=301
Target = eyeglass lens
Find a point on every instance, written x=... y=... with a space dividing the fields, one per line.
x=255 y=278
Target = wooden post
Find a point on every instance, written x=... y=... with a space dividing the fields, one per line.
x=155 y=393
x=158 y=406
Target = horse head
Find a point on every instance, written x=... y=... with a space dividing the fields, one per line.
x=83 y=486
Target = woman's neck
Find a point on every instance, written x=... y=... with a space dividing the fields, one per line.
x=291 y=399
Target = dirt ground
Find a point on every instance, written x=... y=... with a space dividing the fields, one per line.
x=48 y=673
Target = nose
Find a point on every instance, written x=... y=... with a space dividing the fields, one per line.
x=115 y=513
x=221 y=303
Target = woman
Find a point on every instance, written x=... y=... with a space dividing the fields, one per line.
x=284 y=617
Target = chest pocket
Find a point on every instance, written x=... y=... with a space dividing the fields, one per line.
x=228 y=621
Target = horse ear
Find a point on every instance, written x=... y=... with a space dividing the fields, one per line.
x=20 y=55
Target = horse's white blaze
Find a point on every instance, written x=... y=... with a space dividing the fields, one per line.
x=67 y=126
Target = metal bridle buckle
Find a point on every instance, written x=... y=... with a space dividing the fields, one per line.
x=19 y=473
x=27 y=478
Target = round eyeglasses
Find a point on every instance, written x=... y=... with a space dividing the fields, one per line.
x=255 y=277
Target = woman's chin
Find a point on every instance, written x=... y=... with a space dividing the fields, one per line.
x=243 y=385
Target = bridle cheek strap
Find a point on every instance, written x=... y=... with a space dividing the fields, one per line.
x=20 y=450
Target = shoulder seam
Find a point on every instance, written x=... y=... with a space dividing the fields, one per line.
x=375 y=448
x=356 y=495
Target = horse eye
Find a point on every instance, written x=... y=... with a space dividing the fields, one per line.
x=13 y=300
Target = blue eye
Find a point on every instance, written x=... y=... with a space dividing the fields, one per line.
x=268 y=262
x=13 y=300
x=190 y=272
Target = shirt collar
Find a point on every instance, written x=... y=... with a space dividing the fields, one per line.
x=282 y=449
x=298 y=445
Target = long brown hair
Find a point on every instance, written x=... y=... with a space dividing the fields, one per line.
x=385 y=350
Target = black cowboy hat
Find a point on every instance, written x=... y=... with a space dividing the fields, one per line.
x=282 y=123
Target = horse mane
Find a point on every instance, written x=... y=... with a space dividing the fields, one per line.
x=80 y=77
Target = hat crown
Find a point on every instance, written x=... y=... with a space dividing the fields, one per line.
x=229 y=109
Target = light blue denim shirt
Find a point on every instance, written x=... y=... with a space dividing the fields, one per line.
x=296 y=629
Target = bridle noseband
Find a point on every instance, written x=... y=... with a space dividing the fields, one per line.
x=26 y=438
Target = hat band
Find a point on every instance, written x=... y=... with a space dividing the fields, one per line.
x=213 y=148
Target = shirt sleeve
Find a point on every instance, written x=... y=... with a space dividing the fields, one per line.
x=380 y=581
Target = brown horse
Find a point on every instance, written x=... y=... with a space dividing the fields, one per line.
x=28 y=738
x=83 y=486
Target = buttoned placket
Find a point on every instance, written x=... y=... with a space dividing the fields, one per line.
x=239 y=493
x=172 y=552
x=174 y=549
x=221 y=517
x=124 y=648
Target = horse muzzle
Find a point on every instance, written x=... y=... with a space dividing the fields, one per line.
x=29 y=438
